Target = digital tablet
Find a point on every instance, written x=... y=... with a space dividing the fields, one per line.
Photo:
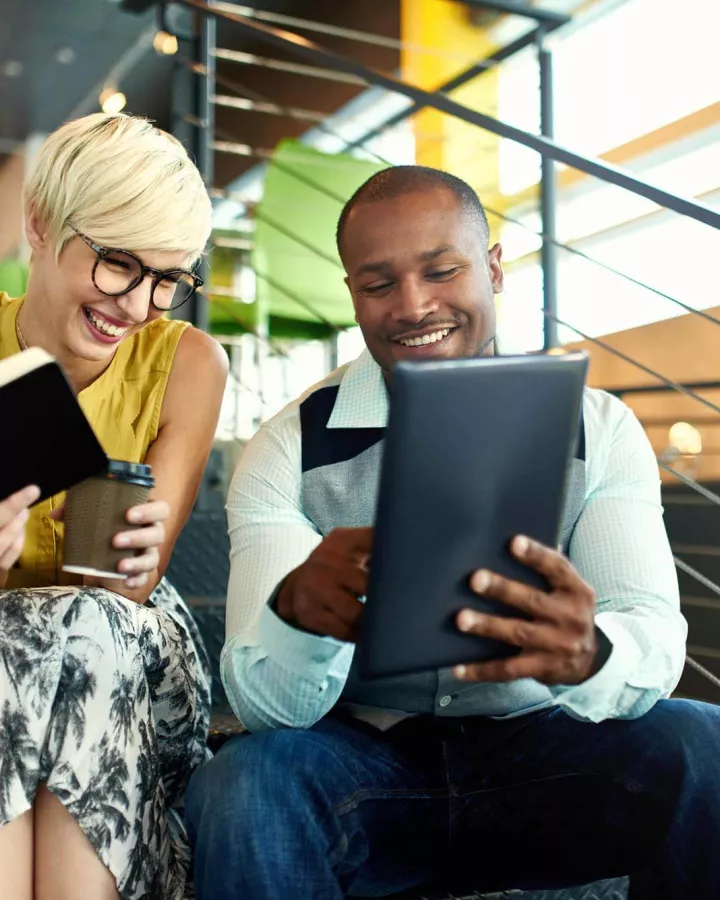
x=476 y=451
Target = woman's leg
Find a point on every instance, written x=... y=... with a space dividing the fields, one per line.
x=16 y=858
x=66 y=864
x=103 y=702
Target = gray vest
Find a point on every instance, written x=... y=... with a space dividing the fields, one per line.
x=340 y=479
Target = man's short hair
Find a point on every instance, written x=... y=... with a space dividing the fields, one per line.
x=399 y=180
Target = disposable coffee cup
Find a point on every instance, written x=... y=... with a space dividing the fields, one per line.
x=95 y=512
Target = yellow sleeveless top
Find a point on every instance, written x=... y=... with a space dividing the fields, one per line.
x=123 y=406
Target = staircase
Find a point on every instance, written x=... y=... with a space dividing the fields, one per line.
x=692 y=504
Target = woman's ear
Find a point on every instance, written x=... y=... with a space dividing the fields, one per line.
x=35 y=231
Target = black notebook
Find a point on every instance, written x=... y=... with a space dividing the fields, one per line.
x=46 y=439
x=476 y=451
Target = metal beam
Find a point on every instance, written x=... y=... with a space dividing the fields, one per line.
x=473 y=71
x=273 y=109
x=190 y=93
x=548 y=199
x=513 y=8
x=280 y=65
x=349 y=34
x=306 y=49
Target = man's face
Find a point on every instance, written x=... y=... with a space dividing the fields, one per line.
x=421 y=278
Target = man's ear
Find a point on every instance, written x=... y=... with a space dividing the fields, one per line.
x=35 y=231
x=497 y=277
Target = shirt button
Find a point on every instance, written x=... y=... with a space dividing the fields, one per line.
x=445 y=701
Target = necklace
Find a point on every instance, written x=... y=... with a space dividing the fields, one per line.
x=21 y=339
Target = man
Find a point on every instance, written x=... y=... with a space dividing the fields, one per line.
x=513 y=773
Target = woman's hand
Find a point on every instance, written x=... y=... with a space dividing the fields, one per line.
x=146 y=537
x=13 y=516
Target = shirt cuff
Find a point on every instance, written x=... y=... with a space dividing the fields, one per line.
x=596 y=699
x=308 y=655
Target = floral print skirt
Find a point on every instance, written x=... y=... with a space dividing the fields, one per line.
x=108 y=704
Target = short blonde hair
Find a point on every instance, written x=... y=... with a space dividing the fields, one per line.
x=124 y=183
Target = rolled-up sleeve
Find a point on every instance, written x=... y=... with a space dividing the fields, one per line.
x=274 y=675
x=620 y=547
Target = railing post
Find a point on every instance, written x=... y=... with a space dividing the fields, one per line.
x=205 y=86
x=548 y=196
x=194 y=125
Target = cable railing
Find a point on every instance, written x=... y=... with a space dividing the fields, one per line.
x=357 y=73
x=306 y=49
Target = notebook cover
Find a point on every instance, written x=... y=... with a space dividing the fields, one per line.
x=46 y=438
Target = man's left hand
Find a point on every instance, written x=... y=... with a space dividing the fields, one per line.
x=559 y=643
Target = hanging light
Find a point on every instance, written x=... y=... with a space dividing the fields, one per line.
x=112 y=100
x=165 y=44
x=686 y=439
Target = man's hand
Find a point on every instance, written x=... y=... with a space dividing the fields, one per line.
x=321 y=595
x=13 y=516
x=559 y=643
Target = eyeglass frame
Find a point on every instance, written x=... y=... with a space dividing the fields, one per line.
x=157 y=274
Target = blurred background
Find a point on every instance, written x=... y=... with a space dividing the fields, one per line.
x=589 y=128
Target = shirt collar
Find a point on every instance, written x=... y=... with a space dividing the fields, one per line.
x=362 y=400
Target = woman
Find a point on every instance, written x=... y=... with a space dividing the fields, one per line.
x=104 y=700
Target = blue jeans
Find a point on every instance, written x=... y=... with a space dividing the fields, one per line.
x=539 y=801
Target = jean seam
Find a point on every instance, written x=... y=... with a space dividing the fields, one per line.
x=537 y=781
x=355 y=799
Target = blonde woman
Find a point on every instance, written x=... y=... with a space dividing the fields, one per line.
x=104 y=697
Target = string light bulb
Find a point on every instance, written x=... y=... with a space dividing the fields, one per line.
x=112 y=101
x=686 y=439
x=165 y=44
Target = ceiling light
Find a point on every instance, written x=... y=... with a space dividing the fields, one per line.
x=165 y=44
x=112 y=101
x=685 y=438
x=65 y=56
x=12 y=68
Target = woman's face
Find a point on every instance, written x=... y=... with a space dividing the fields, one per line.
x=76 y=316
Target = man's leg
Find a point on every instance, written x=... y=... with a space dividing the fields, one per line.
x=316 y=814
x=553 y=801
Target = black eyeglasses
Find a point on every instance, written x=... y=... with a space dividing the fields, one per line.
x=117 y=272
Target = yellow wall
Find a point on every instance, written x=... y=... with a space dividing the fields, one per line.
x=443 y=141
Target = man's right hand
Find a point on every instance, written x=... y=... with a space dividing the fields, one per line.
x=321 y=595
x=13 y=516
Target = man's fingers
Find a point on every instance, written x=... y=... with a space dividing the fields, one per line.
x=354 y=579
x=354 y=542
x=17 y=502
x=533 y=601
x=537 y=665
x=330 y=625
x=519 y=633
x=548 y=562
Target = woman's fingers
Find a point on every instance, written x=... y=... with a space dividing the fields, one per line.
x=16 y=503
x=148 y=513
x=141 y=538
